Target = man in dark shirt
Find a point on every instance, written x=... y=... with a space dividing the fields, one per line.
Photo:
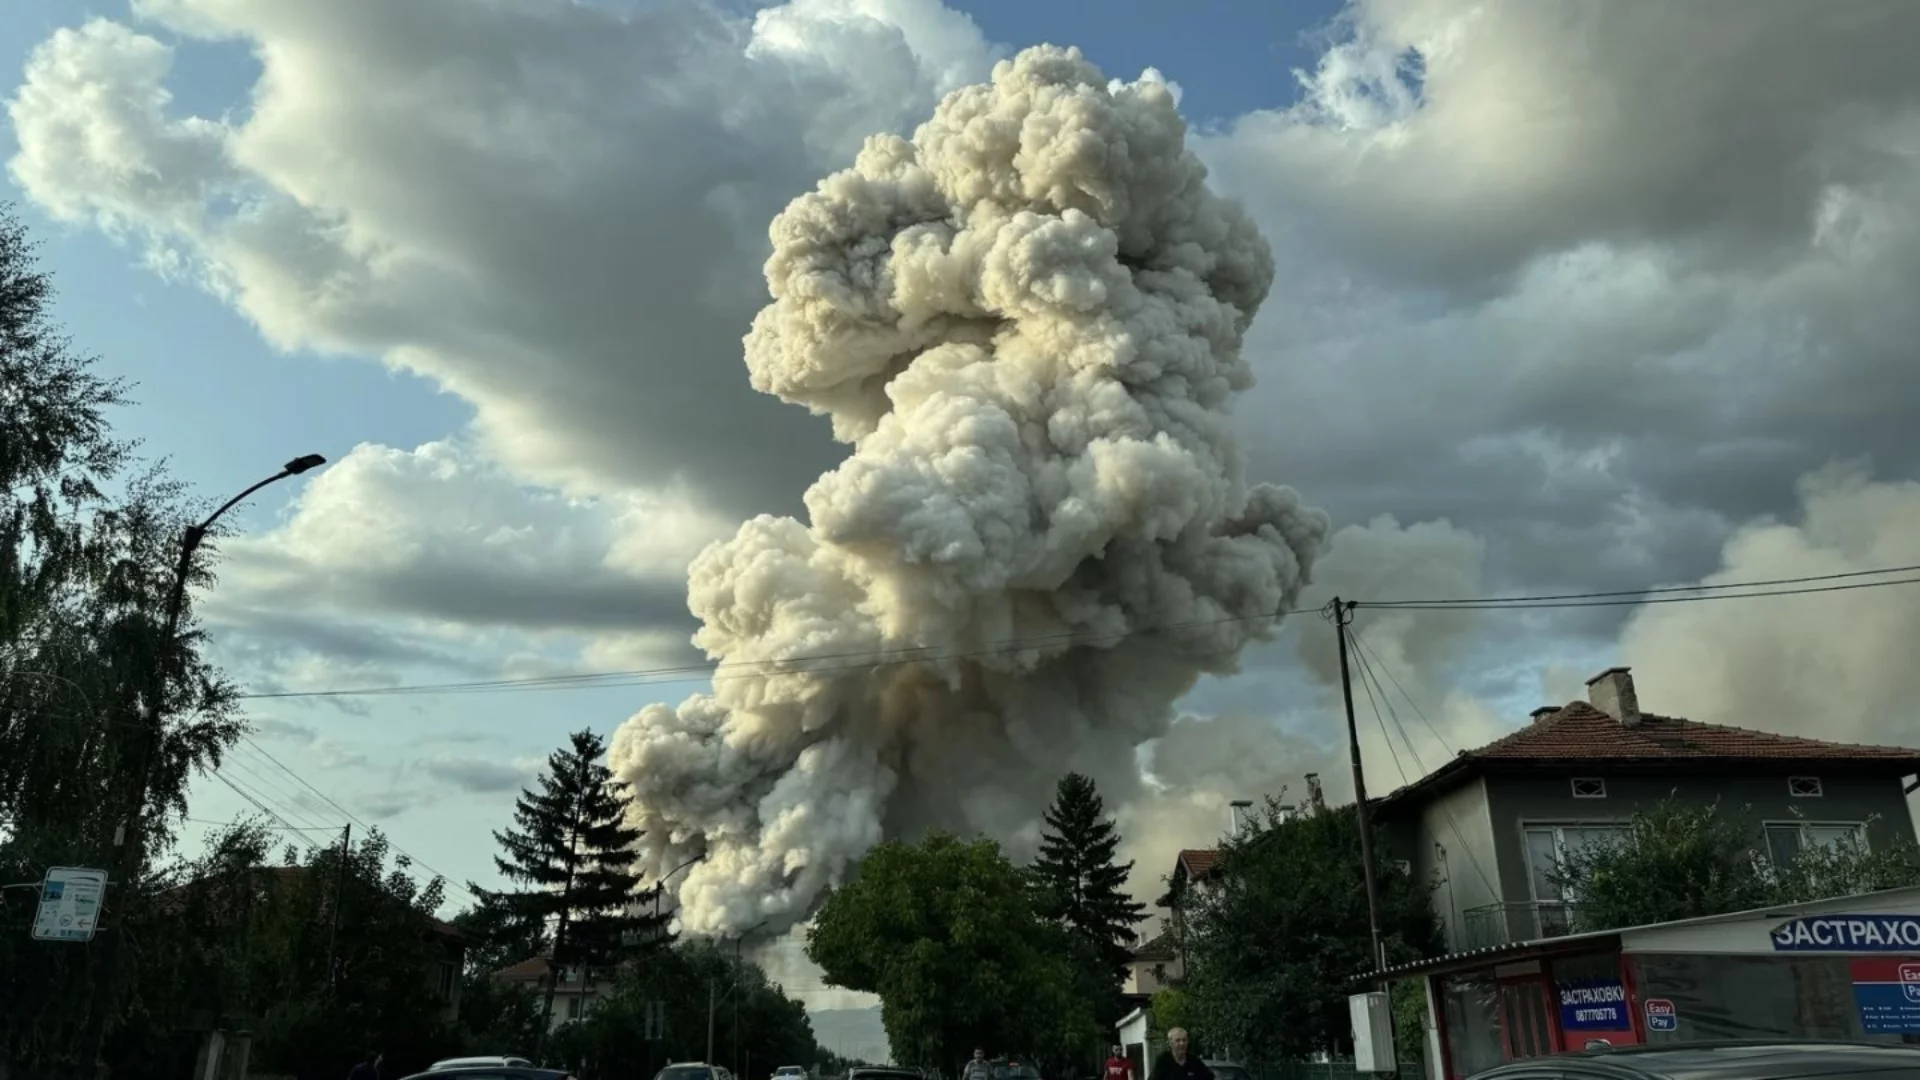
x=1176 y=1063
x=368 y=1069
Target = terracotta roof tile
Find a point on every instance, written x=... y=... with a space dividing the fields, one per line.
x=1197 y=863
x=1157 y=950
x=1579 y=731
x=534 y=967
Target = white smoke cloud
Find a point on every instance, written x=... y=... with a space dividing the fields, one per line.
x=1835 y=665
x=1026 y=320
x=1410 y=663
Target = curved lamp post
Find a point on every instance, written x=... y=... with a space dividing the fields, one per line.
x=129 y=836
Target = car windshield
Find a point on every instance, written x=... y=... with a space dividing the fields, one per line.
x=1231 y=1072
x=685 y=1072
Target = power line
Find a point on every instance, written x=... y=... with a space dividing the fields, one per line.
x=731 y=669
x=1367 y=672
x=244 y=821
x=1525 y=603
x=1767 y=582
x=324 y=797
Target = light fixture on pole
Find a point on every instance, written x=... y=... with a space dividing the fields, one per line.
x=129 y=834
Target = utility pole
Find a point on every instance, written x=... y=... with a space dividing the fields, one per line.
x=130 y=836
x=712 y=987
x=737 y=1071
x=1342 y=618
x=339 y=897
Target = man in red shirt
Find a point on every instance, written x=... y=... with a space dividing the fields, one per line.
x=1119 y=1066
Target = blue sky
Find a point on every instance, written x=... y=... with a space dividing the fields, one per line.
x=1496 y=350
x=225 y=407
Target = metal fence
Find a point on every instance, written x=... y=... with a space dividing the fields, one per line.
x=1306 y=1070
x=1330 y=1070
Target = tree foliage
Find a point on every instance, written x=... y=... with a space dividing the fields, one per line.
x=1276 y=939
x=1081 y=880
x=88 y=541
x=1680 y=860
x=572 y=853
x=771 y=1029
x=945 y=932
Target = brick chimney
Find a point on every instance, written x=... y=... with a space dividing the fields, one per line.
x=1611 y=692
x=1544 y=712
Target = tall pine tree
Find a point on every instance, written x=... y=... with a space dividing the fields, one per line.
x=573 y=855
x=1078 y=879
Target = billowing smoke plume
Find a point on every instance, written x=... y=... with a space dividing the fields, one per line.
x=1026 y=321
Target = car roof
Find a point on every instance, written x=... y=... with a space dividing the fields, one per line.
x=1730 y=1060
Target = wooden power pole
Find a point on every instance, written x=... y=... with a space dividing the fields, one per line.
x=1342 y=618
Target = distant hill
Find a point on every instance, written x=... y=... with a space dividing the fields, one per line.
x=854 y=1033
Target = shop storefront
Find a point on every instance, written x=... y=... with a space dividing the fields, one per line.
x=1847 y=968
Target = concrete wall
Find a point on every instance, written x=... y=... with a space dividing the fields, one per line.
x=1453 y=849
x=1542 y=799
x=1146 y=976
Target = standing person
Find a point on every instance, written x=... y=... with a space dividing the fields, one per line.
x=368 y=1069
x=1176 y=1063
x=978 y=1068
x=1119 y=1065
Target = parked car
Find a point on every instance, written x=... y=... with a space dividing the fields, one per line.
x=1228 y=1070
x=492 y=1072
x=882 y=1072
x=479 y=1062
x=1742 y=1060
x=790 y=1072
x=692 y=1070
x=1014 y=1069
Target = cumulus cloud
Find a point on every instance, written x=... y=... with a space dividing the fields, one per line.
x=479 y=776
x=405 y=558
x=553 y=210
x=1594 y=281
x=1412 y=713
x=1578 y=290
x=1832 y=665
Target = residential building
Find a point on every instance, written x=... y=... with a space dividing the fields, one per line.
x=574 y=996
x=1488 y=826
x=1153 y=966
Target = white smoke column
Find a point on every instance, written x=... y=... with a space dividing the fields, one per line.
x=1026 y=320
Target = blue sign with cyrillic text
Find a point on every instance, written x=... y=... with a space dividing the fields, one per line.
x=1848 y=933
x=1593 y=1006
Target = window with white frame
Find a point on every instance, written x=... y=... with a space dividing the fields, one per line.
x=1787 y=839
x=1589 y=787
x=1804 y=787
x=1548 y=846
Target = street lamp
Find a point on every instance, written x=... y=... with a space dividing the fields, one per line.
x=661 y=885
x=128 y=835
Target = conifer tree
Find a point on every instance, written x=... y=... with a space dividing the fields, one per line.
x=1080 y=882
x=573 y=855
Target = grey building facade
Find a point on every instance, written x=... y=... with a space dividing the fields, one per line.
x=1488 y=827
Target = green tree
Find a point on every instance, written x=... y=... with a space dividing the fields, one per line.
x=499 y=934
x=88 y=543
x=573 y=854
x=1274 y=943
x=772 y=1029
x=1081 y=880
x=1681 y=860
x=946 y=934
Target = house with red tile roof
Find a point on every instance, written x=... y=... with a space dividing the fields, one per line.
x=575 y=995
x=1487 y=826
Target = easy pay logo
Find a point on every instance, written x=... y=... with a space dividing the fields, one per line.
x=1910 y=982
